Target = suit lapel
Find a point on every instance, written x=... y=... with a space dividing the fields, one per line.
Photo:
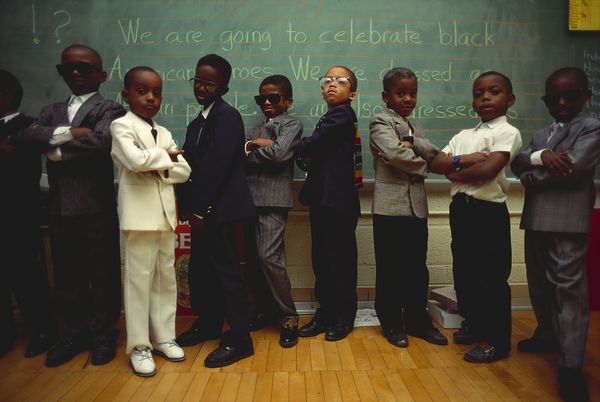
x=84 y=109
x=144 y=132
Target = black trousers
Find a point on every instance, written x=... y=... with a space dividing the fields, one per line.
x=217 y=288
x=481 y=252
x=24 y=275
x=334 y=259
x=402 y=276
x=87 y=269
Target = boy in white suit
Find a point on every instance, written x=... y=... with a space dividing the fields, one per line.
x=149 y=164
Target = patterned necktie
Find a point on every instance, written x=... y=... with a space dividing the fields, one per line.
x=201 y=121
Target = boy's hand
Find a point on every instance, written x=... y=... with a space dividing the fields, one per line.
x=467 y=160
x=80 y=133
x=558 y=163
x=6 y=146
x=262 y=142
x=407 y=144
x=174 y=153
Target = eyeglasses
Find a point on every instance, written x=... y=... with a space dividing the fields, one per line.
x=571 y=95
x=208 y=85
x=341 y=81
x=82 y=67
x=272 y=98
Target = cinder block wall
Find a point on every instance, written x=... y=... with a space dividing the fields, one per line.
x=439 y=258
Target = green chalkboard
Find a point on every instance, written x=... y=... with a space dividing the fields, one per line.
x=446 y=42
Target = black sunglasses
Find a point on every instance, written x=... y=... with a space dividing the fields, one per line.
x=82 y=67
x=571 y=95
x=272 y=98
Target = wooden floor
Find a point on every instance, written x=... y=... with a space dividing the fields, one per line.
x=361 y=367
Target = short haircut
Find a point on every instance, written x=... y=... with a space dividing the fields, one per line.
x=507 y=81
x=396 y=73
x=280 y=81
x=353 y=80
x=80 y=46
x=130 y=73
x=11 y=89
x=218 y=63
x=574 y=72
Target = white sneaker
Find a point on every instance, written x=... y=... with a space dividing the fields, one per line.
x=142 y=362
x=170 y=350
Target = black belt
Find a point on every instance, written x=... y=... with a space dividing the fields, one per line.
x=468 y=199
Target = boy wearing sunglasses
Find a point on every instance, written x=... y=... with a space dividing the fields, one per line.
x=557 y=171
x=269 y=171
x=331 y=194
x=84 y=230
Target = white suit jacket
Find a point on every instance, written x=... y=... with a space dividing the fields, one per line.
x=146 y=196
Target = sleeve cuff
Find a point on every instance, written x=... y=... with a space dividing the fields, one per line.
x=61 y=135
x=536 y=158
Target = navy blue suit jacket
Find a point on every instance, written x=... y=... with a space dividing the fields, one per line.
x=217 y=160
x=330 y=180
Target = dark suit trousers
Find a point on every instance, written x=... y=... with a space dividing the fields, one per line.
x=558 y=288
x=334 y=259
x=402 y=276
x=23 y=274
x=87 y=268
x=481 y=252
x=217 y=288
x=267 y=263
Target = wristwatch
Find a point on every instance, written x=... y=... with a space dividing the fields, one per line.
x=456 y=161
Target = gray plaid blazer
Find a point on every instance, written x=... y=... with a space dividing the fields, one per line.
x=560 y=203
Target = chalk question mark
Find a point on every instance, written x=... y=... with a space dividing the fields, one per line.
x=66 y=14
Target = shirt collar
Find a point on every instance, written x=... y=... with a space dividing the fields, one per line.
x=206 y=110
x=8 y=118
x=83 y=97
x=492 y=123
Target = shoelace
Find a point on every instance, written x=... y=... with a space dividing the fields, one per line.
x=143 y=354
x=289 y=324
x=170 y=344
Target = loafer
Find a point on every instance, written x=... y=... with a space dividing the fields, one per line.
x=288 y=334
x=571 y=385
x=484 y=353
x=537 y=345
x=194 y=336
x=313 y=328
x=397 y=338
x=65 y=350
x=226 y=355
x=141 y=362
x=262 y=320
x=464 y=336
x=40 y=343
x=431 y=335
x=169 y=350
x=338 y=332
x=104 y=351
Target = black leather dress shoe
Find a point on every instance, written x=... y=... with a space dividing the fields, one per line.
x=338 y=332
x=571 y=385
x=40 y=343
x=464 y=336
x=396 y=337
x=65 y=350
x=536 y=345
x=261 y=321
x=103 y=352
x=194 y=336
x=431 y=335
x=484 y=353
x=288 y=335
x=226 y=355
x=313 y=328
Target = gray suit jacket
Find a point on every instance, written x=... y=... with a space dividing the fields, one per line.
x=82 y=182
x=399 y=171
x=270 y=170
x=561 y=203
